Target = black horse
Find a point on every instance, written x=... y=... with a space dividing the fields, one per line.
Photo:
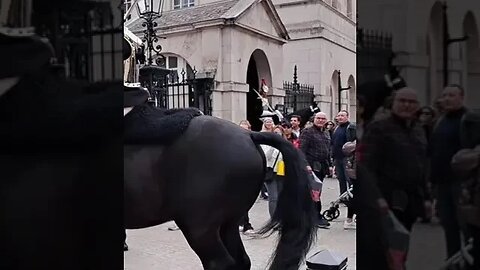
x=376 y=92
x=305 y=113
x=206 y=180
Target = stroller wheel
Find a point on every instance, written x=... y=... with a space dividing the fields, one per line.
x=331 y=214
x=337 y=213
x=327 y=214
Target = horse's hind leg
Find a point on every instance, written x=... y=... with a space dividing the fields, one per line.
x=232 y=241
x=209 y=247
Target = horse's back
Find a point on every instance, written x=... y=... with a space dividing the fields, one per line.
x=213 y=161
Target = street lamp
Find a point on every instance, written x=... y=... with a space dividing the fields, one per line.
x=150 y=10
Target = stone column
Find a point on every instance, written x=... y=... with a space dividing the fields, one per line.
x=229 y=101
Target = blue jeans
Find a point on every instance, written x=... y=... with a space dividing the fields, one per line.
x=274 y=187
x=343 y=180
x=447 y=202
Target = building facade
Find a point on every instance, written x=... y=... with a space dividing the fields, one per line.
x=245 y=43
x=417 y=34
x=323 y=46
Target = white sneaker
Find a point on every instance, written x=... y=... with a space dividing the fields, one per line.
x=349 y=225
x=240 y=228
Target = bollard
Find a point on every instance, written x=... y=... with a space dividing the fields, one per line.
x=327 y=260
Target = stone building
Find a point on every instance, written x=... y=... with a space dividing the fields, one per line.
x=244 y=42
x=322 y=42
x=417 y=34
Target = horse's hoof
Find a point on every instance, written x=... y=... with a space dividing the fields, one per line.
x=125 y=247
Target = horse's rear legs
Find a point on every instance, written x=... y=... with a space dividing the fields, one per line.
x=209 y=247
x=232 y=241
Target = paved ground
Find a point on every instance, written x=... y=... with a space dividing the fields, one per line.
x=156 y=248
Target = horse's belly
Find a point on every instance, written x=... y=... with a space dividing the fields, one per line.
x=144 y=187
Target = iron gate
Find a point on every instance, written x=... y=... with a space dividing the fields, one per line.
x=87 y=38
x=170 y=91
x=297 y=96
x=374 y=55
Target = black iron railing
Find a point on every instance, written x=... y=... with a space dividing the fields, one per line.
x=297 y=96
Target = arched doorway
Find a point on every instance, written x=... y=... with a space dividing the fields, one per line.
x=472 y=58
x=352 y=98
x=334 y=91
x=434 y=52
x=258 y=69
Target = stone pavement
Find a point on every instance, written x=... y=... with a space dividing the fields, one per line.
x=156 y=248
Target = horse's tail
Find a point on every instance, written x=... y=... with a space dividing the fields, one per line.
x=294 y=215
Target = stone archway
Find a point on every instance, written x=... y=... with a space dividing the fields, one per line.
x=352 y=98
x=434 y=52
x=472 y=59
x=258 y=69
x=334 y=91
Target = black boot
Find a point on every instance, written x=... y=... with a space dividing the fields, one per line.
x=322 y=222
x=125 y=246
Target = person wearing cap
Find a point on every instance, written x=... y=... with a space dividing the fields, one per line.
x=290 y=134
x=268 y=124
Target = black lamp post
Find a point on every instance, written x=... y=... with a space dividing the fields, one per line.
x=152 y=77
x=150 y=10
x=340 y=89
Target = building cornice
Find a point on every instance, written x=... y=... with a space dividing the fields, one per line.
x=217 y=23
x=260 y=33
x=305 y=2
x=316 y=28
x=327 y=39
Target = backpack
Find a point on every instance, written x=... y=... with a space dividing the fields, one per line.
x=350 y=162
x=351 y=132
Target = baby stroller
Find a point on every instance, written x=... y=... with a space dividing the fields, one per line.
x=333 y=212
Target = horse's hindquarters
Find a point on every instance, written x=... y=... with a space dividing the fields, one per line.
x=216 y=167
x=144 y=186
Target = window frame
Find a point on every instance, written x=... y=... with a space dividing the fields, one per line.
x=182 y=4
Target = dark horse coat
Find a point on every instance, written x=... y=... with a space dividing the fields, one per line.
x=206 y=180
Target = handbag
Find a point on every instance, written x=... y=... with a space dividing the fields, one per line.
x=281 y=168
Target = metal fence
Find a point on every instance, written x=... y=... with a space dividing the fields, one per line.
x=297 y=96
x=172 y=90
x=374 y=55
x=86 y=39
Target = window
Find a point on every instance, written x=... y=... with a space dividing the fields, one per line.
x=168 y=62
x=183 y=3
x=172 y=62
x=161 y=62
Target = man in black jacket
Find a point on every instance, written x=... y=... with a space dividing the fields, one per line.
x=315 y=144
x=345 y=132
x=444 y=143
x=394 y=157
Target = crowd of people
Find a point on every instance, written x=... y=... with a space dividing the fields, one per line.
x=405 y=156
x=322 y=143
